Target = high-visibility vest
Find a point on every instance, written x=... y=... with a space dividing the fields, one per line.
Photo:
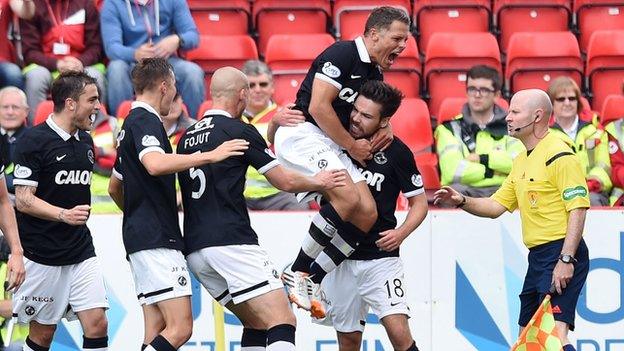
x=20 y=331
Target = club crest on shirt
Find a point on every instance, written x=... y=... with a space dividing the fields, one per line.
x=417 y=180
x=380 y=158
x=330 y=70
x=150 y=140
x=22 y=171
x=90 y=156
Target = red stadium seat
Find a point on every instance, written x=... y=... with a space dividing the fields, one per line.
x=405 y=73
x=460 y=16
x=513 y=16
x=216 y=51
x=612 y=109
x=605 y=65
x=289 y=17
x=205 y=106
x=123 y=110
x=290 y=57
x=449 y=56
x=533 y=59
x=592 y=15
x=350 y=15
x=452 y=106
x=411 y=123
x=44 y=109
x=221 y=17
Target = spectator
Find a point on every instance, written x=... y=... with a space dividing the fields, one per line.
x=615 y=134
x=134 y=30
x=259 y=193
x=588 y=141
x=474 y=149
x=176 y=122
x=10 y=73
x=62 y=36
x=13 y=114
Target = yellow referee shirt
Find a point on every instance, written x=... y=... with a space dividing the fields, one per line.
x=545 y=184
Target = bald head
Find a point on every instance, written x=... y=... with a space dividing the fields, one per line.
x=533 y=100
x=227 y=82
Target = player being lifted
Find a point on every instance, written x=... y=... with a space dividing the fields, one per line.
x=326 y=97
x=143 y=186
x=223 y=248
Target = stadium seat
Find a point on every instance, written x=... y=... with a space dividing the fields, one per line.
x=44 y=109
x=411 y=123
x=612 y=109
x=533 y=59
x=513 y=16
x=289 y=57
x=460 y=16
x=289 y=17
x=221 y=17
x=350 y=15
x=205 y=106
x=452 y=106
x=405 y=73
x=448 y=58
x=216 y=51
x=605 y=65
x=592 y=15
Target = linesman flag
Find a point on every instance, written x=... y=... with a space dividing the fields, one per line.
x=540 y=334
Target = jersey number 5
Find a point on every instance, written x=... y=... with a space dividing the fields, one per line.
x=198 y=173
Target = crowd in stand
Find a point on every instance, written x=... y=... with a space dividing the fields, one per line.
x=107 y=38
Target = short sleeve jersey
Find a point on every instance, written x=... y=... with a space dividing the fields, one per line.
x=389 y=172
x=215 y=211
x=545 y=184
x=150 y=211
x=60 y=166
x=347 y=66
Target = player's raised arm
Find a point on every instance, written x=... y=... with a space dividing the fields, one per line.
x=482 y=207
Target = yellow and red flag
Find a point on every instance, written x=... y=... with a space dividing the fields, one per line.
x=540 y=334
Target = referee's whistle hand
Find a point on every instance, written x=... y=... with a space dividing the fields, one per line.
x=77 y=215
x=447 y=197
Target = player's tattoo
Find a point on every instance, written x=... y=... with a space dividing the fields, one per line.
x=24 y=197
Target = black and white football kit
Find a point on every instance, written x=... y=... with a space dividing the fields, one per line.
x=306 y=148
x=151 y=233
x=374 y=275
x=60 y=262
x=222 y=247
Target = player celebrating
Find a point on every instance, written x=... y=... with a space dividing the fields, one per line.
x=326 y=97
x=53 y=167
x=144 y=187
x=223 y=248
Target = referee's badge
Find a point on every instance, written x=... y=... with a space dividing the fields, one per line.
x=533 y=198
x=90 y=156
x=380 y=158
x=330 y=70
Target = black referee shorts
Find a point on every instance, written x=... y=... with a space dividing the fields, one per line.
x=542 y=261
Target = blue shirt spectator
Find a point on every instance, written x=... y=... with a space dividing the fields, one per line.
x=133 y=30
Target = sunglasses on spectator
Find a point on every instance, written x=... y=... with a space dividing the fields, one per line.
x=480 y=91
x=261 y=84
x=564 y=98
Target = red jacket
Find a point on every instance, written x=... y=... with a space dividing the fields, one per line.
x=6 y=15
x=616 y=155
x=80 y=30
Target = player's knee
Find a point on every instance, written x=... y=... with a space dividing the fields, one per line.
x=181 y=332
x=96 y=327
x=349 y=341
x=42 y=335
x=400 y=337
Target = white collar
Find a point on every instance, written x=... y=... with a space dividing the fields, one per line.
x=146 y=106
x=361 y=48
x=60 y=131
x=217 y=112
x=573 y=129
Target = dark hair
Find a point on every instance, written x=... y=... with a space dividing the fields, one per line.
x=70 y=85
x=485 y=72
x=149 y=72
x=384 y=94
x=383 y=16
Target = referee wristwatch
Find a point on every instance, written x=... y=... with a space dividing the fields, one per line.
x=567 y=258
